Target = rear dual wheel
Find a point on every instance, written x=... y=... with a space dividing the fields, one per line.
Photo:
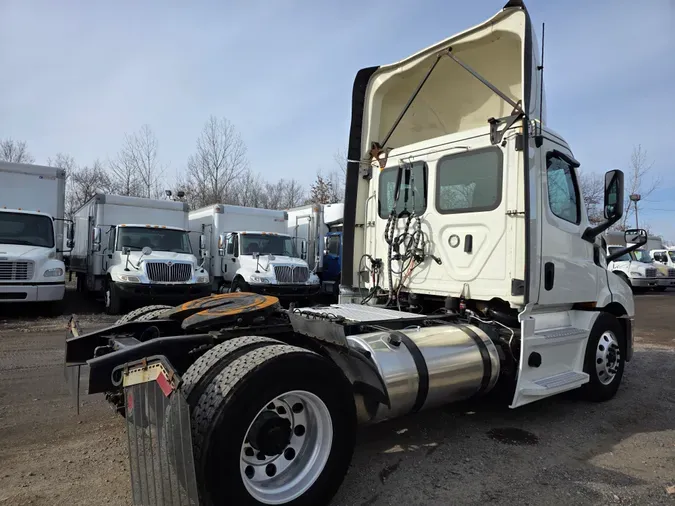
x=271 y=424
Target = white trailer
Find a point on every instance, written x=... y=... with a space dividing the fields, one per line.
x=32 y=201
x=249 y=249
x=130 y=248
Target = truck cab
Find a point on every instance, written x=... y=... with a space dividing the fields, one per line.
x=30 y=267
x=636 y=269
x=266 y=263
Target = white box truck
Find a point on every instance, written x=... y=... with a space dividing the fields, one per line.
x=479 y=269
x=32 y=202
x=249 y=250
x=136 y=249
x=320 y=227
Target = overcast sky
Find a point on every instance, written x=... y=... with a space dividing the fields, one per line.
x=78 y=75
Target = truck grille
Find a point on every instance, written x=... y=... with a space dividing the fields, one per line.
x=287 y=274
x=16 y=271
x=650 y=273
x=671 y=273
x=168 y=272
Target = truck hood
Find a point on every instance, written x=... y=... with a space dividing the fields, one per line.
x=280 y=260
x=21 y=250
x=162 y=256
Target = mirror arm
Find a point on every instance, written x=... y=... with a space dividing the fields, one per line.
x=592 y=232
x=617 y=254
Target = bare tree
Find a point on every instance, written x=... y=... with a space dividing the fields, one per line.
x=321 y=191
x=136 y=169
x=219 y=161
x=592 y=188
x=294 y=194
x=638 y=180
x=84 y=183
x=15 y=151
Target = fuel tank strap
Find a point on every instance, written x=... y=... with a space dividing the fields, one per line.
x=484 y=354
x=422 y=370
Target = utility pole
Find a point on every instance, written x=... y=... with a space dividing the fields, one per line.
x=635 y=197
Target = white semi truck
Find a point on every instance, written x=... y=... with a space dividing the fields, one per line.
x=469 y=263
x=32 y=201
x=248 y=249
x=320 y=227
x=135 y=249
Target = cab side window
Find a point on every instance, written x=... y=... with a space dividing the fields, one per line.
x=563 y=190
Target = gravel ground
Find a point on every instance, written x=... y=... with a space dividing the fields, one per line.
x=557 y=451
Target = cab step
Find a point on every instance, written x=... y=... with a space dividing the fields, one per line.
x=550 y=385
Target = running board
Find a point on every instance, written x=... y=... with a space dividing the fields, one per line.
x=557 y=383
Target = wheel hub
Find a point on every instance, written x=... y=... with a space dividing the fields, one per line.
x=270 y=434
x=607 y=358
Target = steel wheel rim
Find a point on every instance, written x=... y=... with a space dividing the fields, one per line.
x=607 y=357
x=281 y=478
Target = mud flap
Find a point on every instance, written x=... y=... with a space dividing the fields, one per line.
x=72 y=373
x=159 y=435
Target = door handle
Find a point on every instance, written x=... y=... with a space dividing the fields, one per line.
x=549 y=275
x=468 y=243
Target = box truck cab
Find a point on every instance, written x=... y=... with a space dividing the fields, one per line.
x=664 y=260
x=636 y=269
x=320 y=226
x=248 y=249
x=136 y=249
x=32 y=200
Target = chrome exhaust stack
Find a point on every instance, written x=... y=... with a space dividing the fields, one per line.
x=426 y=367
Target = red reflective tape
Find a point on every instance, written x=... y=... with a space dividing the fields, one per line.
x=164 y=384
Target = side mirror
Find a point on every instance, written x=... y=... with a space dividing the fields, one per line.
x=147 y=250
x=202 y=242
x=303 y=250
x=126 y=250
x=255 y=255
x=613 y=204
x=70 y=243
x=96 y=238
x=635 y=236
x=221 y=245
x=71 y=232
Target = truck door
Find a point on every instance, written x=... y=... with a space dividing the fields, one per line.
x=568 y=271
x=231 y=259
x=332 y=257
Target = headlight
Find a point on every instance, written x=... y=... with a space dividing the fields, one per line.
x=129 y=279
x=636 y=274
x=202 y=279
x=260 y=279
x=53 y=273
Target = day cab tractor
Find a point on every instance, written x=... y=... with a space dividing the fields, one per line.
x=468 y=263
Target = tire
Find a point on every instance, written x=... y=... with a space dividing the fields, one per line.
x=243 y=392
x=152 y=315
x=137 y=313
x=205 y=368
x=606 y=343
x=112 y=299
x=239 y=285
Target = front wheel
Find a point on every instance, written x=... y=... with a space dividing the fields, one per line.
x=239 y=285
x=275 y=426
x=605 y=359
x=113 y=301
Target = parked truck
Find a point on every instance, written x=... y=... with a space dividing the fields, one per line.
x=32 y=200
x=135 y=249
x=249 y=250
x=502 y=284
x=320 y=227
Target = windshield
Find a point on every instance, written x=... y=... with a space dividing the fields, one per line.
x=268 y=245
x=27 y=229
x=159 y=239
x=671 y=254
x=641 y=256
x=623 y=258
